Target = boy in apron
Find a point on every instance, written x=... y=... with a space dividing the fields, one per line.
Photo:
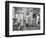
x=37 y=18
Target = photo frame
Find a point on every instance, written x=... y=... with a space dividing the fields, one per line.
x=24 y=18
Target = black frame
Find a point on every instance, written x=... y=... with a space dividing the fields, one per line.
x=7 y=18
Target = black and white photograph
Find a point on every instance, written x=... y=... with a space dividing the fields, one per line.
x=24 y=18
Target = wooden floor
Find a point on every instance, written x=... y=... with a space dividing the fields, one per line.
x=36 y=27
